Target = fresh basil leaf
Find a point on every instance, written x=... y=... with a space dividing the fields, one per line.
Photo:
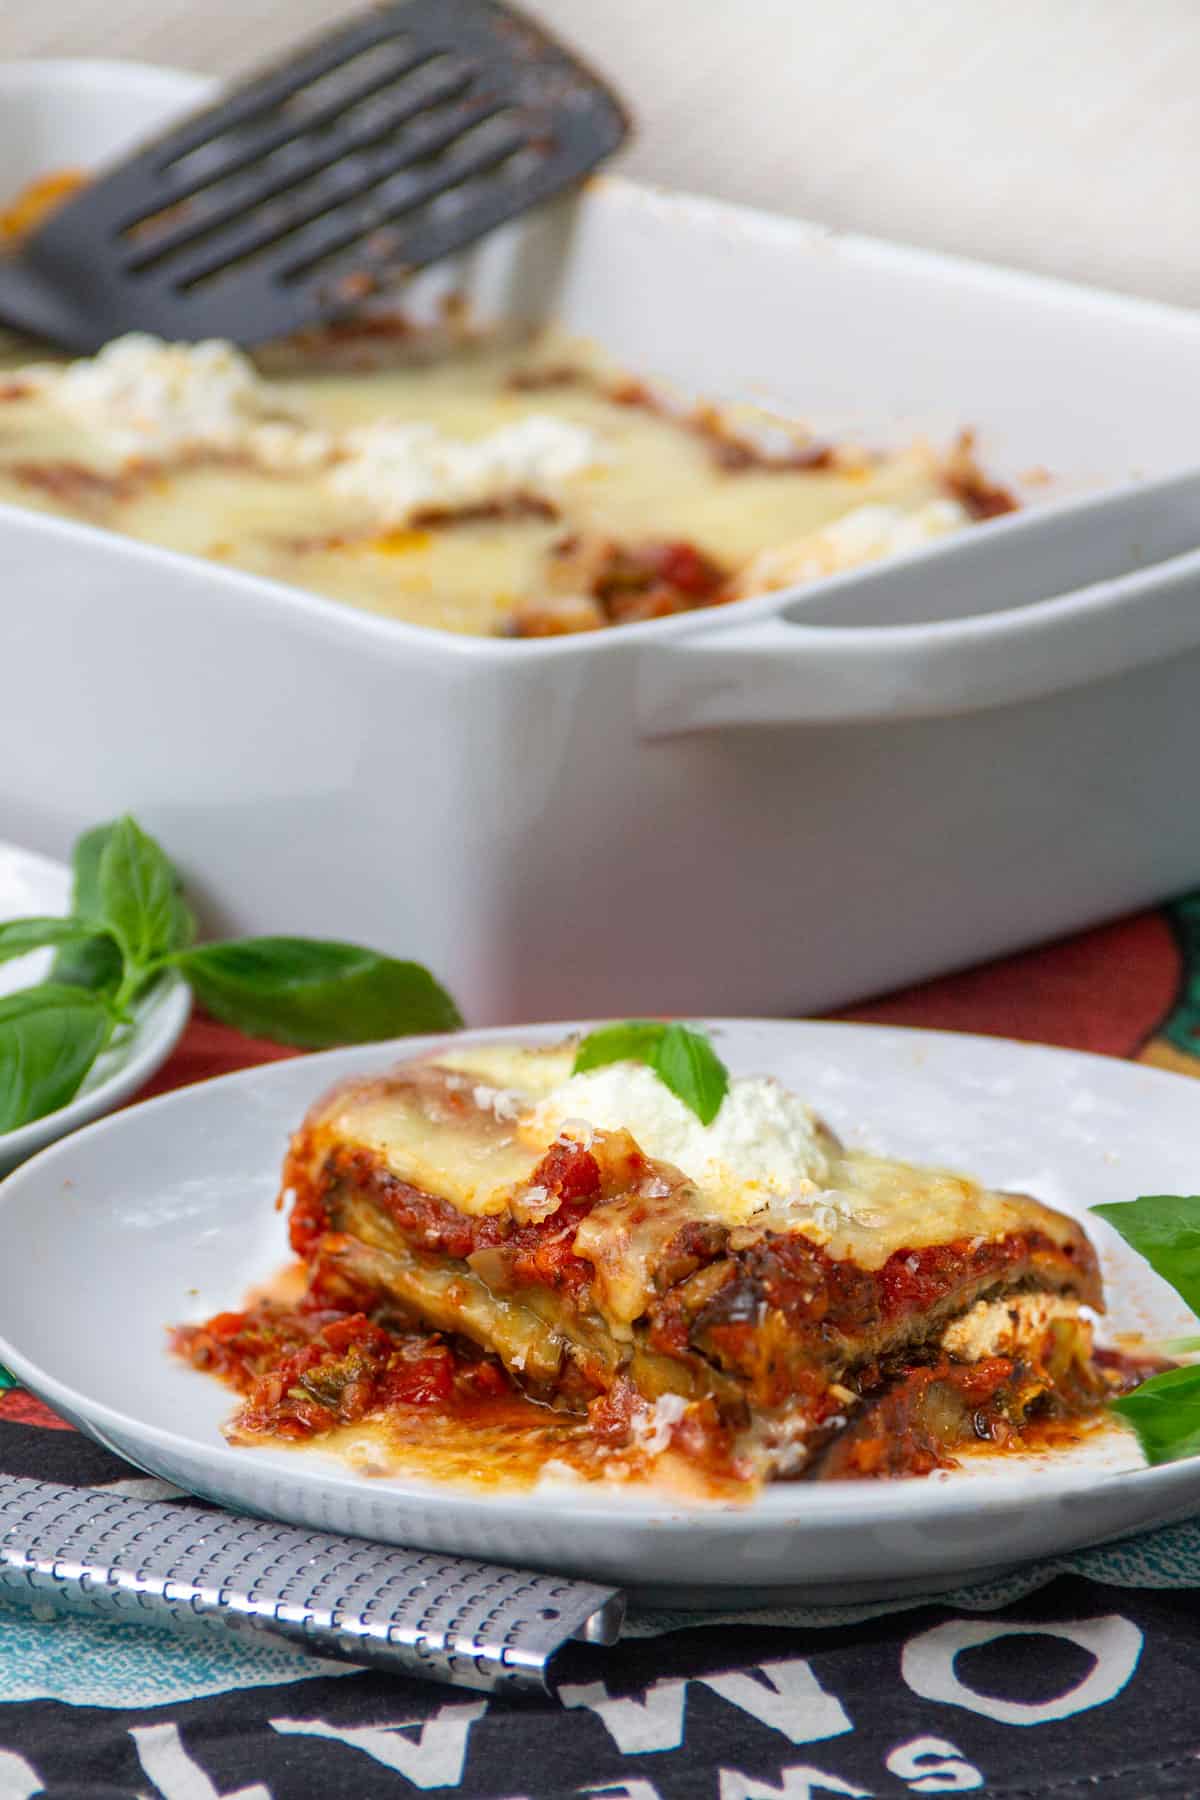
x=137 y=894
x=85 y=862
x=94 y=962
x=183 y=920
x=99 y=963
x=50 y=1036
x=1165 y=1413
x=19 y=936
x=1165 y=1229
x=684 y=1060
x=314 y=993
x=6 y=1380
x=635 y=1040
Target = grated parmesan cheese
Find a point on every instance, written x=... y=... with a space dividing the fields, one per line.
x=577 y=1131
x=504 y=1104
x=535 y=1203
x=652 y=1427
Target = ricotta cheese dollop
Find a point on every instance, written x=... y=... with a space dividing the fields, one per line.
x=764 y=1144
x=141 y=396
x=401 y=469
x=865 y=534
x=150 y=398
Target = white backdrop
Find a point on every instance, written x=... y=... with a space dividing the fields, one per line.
x=1062 y=135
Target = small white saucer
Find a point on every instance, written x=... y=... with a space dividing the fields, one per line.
x=33 y=885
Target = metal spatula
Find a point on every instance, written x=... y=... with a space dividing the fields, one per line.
x=384 y=146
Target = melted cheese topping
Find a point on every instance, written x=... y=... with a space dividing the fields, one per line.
x=465 y=1157
x=532 y=1070
x=624 y=1240
x=311 y=475
x=481 y=1158
x=875 y=1206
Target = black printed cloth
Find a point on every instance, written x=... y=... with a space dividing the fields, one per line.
x=1086 y=1682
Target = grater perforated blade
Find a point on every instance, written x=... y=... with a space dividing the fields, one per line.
x=83 y=1551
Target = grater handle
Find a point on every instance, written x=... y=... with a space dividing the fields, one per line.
x=183 y=1569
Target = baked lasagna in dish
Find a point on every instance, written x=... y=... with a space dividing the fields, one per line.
x=507 y=1268
x=520 y=487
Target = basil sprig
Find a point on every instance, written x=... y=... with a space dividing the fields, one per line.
x=138 y=900
x=1165 y=1413
x=1165 y=1410
x=129 y=923
x=684 y=1060
x=49 y=1038
x=314 y=993
x=1165 y=1229
x=95 y=961
x=19 y=936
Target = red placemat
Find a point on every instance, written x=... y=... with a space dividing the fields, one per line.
x=1124 y=989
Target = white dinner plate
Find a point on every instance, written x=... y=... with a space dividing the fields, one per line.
x=32 y=886
x=165 y=1213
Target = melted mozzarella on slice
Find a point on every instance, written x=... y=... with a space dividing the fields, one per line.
x=765 y=1165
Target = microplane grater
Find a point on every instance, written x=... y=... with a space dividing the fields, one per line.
x=188 y=1569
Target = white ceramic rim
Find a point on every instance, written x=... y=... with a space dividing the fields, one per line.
x=160 y=1021
x=159 y=1028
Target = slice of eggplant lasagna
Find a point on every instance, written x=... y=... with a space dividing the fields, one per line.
x=750 y=1296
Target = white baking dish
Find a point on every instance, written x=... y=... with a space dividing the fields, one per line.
x=725 y=812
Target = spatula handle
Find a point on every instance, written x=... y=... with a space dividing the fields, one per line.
x=29 y=306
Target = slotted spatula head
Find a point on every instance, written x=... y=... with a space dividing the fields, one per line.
x=386 y=145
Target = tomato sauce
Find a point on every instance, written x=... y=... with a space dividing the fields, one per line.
x=304 y=1371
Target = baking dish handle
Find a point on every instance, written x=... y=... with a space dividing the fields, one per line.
x=780 y=671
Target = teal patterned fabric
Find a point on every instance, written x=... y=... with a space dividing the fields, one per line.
x=91 y=1664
